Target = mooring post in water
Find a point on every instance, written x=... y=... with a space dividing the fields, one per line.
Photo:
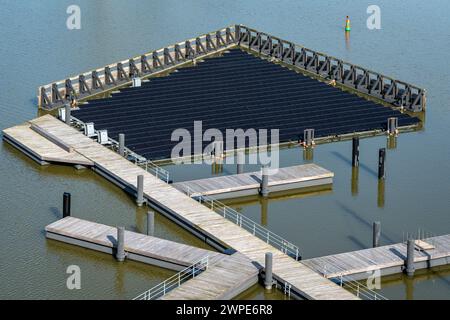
x=355 y=152
x=66 y=204
x=150 y=223
x=392 y=125
x=120 y=254
x=68 y=116
x=410 y=267
x=264 y=188
x=240 y=159
x=376 y=234
x=140 y=190
x=381 y=161
x=268 y=278
x=308 y=135
x=122 y=144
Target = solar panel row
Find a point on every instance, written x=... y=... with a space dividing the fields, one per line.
x=236 y=90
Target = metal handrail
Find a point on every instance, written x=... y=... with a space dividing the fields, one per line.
x=175 y=281
x=154 y=169
x=355 y=286
x=138 y=160
x=246 y=223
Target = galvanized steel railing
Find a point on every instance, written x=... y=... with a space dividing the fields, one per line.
x=246 y=223
x=356 y=287
x=175 y=281
x=140 y=161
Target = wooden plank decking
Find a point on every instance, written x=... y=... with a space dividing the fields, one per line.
x=303 y=280
x=222 y=280
x=179 y=255
x=40 y=148
x=247 y=184
x=388 y=259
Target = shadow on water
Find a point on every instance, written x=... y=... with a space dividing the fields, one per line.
x=357 y=242
x=56 y=212
x=361 y=220
x=349 y=162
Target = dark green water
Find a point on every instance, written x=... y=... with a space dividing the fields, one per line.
x=413 y=45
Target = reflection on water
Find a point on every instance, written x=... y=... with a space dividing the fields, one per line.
x=347 y=41
x=258 y=293
x=308 y=155
x=426 y=284
x=354 y=183
x=380 y=194
x=391 y=142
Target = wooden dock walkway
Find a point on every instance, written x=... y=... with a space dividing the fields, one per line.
x=226 y=276
x=192 y=215
x=139 y=247
x=388 y=259
x=248 y=184
x=223 y=280
x=39 y=148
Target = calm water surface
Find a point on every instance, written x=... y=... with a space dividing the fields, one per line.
x=413 y=45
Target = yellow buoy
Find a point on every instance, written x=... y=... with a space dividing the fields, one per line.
x=347 y=24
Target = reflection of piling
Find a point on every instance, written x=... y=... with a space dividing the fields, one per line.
x=216 y=167
x=308 y=154
x=376 y=234
x=218 y=151
x=355 y=178
x=268 y=279
x=392 y=142
x=410 y=267
x=381 y=163
x=409 y=288
x=150 y=223
x=264 y=207
x=66 y=204
x=381 y=193
x=264 y=188
x=355 y=152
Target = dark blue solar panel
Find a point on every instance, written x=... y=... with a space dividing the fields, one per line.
x=236 y=90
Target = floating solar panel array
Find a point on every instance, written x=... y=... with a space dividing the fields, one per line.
x=235 y=90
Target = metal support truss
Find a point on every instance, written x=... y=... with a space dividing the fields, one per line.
x=361 y=79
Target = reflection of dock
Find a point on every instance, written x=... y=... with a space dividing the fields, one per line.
x=280 y=196
x=388 y=259
x=248 y=184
